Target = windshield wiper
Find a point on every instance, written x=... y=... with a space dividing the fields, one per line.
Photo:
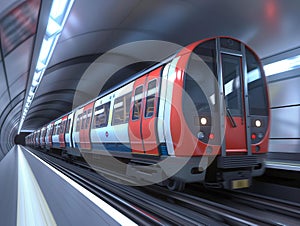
x=231 y=119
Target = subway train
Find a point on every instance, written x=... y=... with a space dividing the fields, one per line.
x=202 y=115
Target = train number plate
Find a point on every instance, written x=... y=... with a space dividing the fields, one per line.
x=236 y=184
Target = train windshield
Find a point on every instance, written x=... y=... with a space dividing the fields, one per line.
x=258 y=101
x=232 y=82
x=202 y=67
x=201 y=77
x=200 y=99
x=203 y=85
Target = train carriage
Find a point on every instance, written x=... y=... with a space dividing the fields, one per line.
x=206 y=109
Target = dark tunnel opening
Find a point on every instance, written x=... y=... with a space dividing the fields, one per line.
x=20 y=138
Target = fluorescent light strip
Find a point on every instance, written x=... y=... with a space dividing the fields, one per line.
x=288 y=64
x=60 y=10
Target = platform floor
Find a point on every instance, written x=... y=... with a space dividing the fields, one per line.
x=283 y=165
x=283 y=161
x=34 y=193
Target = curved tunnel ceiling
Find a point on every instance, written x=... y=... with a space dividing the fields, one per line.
x=96 y=26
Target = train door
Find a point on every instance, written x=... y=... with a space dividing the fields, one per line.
x=142 y=123
x=62 y=142
x=233 y=89
x=49 y=144
x=149 y=119
x=68 y=134
x=76 y=128
x=135 y=116
x=84 y=134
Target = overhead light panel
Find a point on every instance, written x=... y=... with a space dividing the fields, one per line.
x=59 y=12
x=288 y=64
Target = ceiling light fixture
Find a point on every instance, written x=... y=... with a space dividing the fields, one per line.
x=59 y=12
x=288 y=64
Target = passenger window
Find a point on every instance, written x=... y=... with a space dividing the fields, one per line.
x=51 y=131
x=78 y=122
x=65 y=125
x=55 y=129
x=101 y=115
x=60 y=130
x=150 y=100
x=83 y=119
x=121 y=109
x=87 y=122
x=68 y=125
x=138 y=96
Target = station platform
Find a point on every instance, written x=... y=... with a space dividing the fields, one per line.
x=34 y=193
x=283 y=165
x=283 y=161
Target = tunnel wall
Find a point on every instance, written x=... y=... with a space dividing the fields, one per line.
x=284 y=91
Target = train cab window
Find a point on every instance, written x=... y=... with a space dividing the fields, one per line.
x=206 y=52
x=61 y=128
x=138 y=96
x=231 y=68
x=229 y=43
x=200 y=86
x=150 y=99
x=121 y=109
x=200 y=80
x=101 y=115
x=256 y=86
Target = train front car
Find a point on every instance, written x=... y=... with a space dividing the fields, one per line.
x=220 y=97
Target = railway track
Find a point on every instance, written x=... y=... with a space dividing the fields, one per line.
x=267 y=203
x=154 y=205
x=237 y=208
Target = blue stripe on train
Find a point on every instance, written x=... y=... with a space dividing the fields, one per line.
x=163 y=149
x=112 y=147
x=55 y=145
x=115 y=147
x=123 y=147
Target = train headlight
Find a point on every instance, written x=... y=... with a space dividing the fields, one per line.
x=203 y=121
x=258 y=123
